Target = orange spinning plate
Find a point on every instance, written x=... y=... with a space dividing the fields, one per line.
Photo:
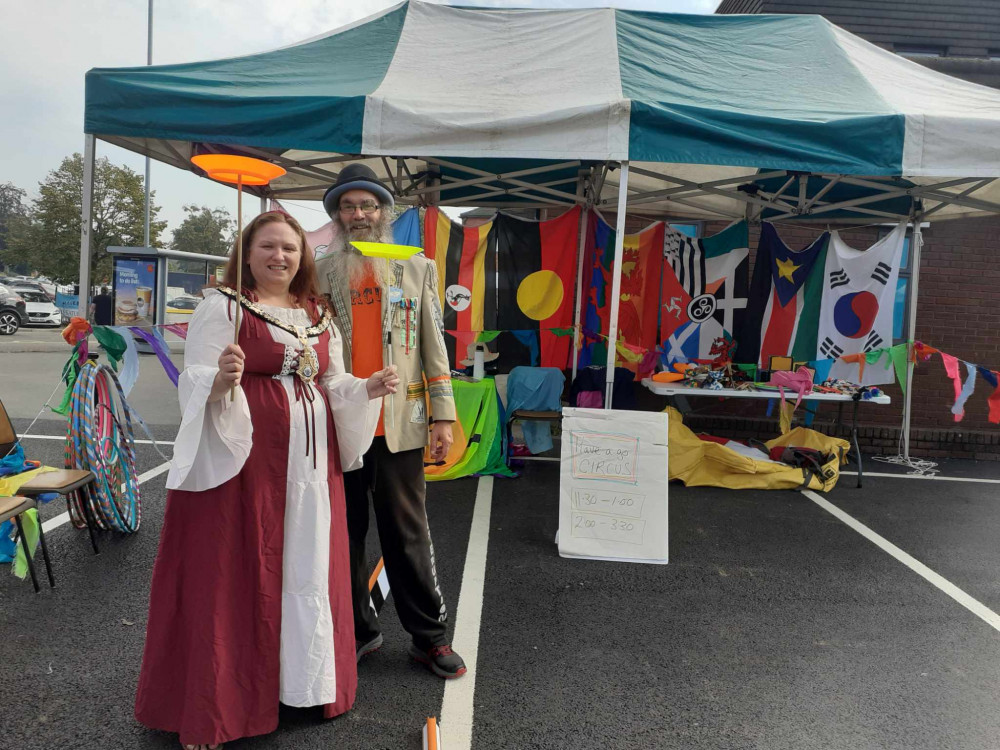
x=231 y=168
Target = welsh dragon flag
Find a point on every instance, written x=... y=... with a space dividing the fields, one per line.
x=857 y=311
x=785 y=294
x=704 y=291
x=642 y=259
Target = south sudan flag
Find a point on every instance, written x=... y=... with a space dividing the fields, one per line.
x=460 y=254
x=536 y=271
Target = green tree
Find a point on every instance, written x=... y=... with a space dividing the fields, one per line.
x=13 y=213
x=204 y=230
x=49 y=241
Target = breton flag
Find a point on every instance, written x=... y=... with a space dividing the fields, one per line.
x=460 y=254
x=642 y=260
x=536 y=273
x=706 y=282
x=857 y=309
x=785 y=295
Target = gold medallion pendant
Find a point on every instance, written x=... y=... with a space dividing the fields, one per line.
x=308 y=365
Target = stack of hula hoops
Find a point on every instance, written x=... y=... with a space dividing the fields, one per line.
x=99 y=439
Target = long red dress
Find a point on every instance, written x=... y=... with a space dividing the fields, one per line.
x=212 y=667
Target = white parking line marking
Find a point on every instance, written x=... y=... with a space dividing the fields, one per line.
x=457 y=707
x=980 y=610
x=62 y=518
x=918 y=476
x=63 y=437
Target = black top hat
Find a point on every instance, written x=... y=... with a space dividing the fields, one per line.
x=355 y=176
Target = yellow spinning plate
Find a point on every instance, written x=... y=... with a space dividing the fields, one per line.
x=385 y=250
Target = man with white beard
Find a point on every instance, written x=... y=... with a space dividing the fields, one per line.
x=389 y=307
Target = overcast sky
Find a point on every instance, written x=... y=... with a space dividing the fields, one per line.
x=46 y=47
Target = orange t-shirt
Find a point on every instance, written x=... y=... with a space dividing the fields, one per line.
x=366 y=333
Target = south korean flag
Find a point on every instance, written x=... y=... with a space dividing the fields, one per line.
x=856 y=315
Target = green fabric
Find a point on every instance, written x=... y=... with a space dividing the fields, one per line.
x=113 y=343
x=753 y=91
x=485 y=337
x=476 y=408
x=807 y=331
x=70 y=372
x=309 y=96
x=561 y=331
x=898 y=354
x=29 y=520
x=737 y=235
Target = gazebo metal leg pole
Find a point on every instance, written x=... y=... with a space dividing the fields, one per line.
x=916 y=246
x=580 y=301
x=86 y=220
x=616 y=286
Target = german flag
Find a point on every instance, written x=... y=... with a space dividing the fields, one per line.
x=460 y=255
x=536 y=275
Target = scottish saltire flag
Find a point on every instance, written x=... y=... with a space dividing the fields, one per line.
x=642 y=259
x=535 y=267
x=706 y=282
x=857 y=309
x=683 y=345
x=785 y=295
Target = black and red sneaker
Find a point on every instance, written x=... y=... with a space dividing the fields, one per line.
x=369 y=647
x=441 y=660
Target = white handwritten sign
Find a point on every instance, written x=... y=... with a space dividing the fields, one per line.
x=613 y=485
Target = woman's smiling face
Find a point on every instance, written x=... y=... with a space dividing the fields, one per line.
x=275 y=254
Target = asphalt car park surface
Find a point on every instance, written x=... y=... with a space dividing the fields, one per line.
x=775 y=625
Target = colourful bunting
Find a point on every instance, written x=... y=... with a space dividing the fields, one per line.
x=970 y=384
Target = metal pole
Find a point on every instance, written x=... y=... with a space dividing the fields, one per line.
x=917 y=245
x=86 y=220
x=616 y=287
x=579 y=277
x=149 y=61
x=239 y=268
x=263 y=203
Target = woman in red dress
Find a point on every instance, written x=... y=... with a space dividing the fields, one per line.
x=251 y=600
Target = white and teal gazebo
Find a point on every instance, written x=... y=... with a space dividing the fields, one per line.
x=777 y=117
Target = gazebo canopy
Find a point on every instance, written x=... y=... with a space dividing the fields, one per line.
x=445 y=99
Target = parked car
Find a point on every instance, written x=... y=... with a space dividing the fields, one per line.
x=24 y=285
x=179 y=309
x=41 y=310
x=12 y=311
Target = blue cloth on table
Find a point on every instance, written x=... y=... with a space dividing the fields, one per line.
x=13 y=462
x=535 y=389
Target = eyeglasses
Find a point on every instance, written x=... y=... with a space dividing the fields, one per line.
x=368 y=207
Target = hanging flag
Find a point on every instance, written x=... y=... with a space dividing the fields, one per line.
x=856 y=315
x=642 y=260
x=967 y=390
x=993 y=378
x=705 y=282
x=460 y=255
x=536 y=271
x=319 y=240
x=406 y=228
x=785 y=294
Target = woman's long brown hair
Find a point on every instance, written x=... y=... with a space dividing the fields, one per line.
x=304 y=287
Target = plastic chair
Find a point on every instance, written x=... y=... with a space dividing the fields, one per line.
x=73 y=484
x=14 y=507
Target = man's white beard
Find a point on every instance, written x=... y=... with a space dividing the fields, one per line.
x=347 y=260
